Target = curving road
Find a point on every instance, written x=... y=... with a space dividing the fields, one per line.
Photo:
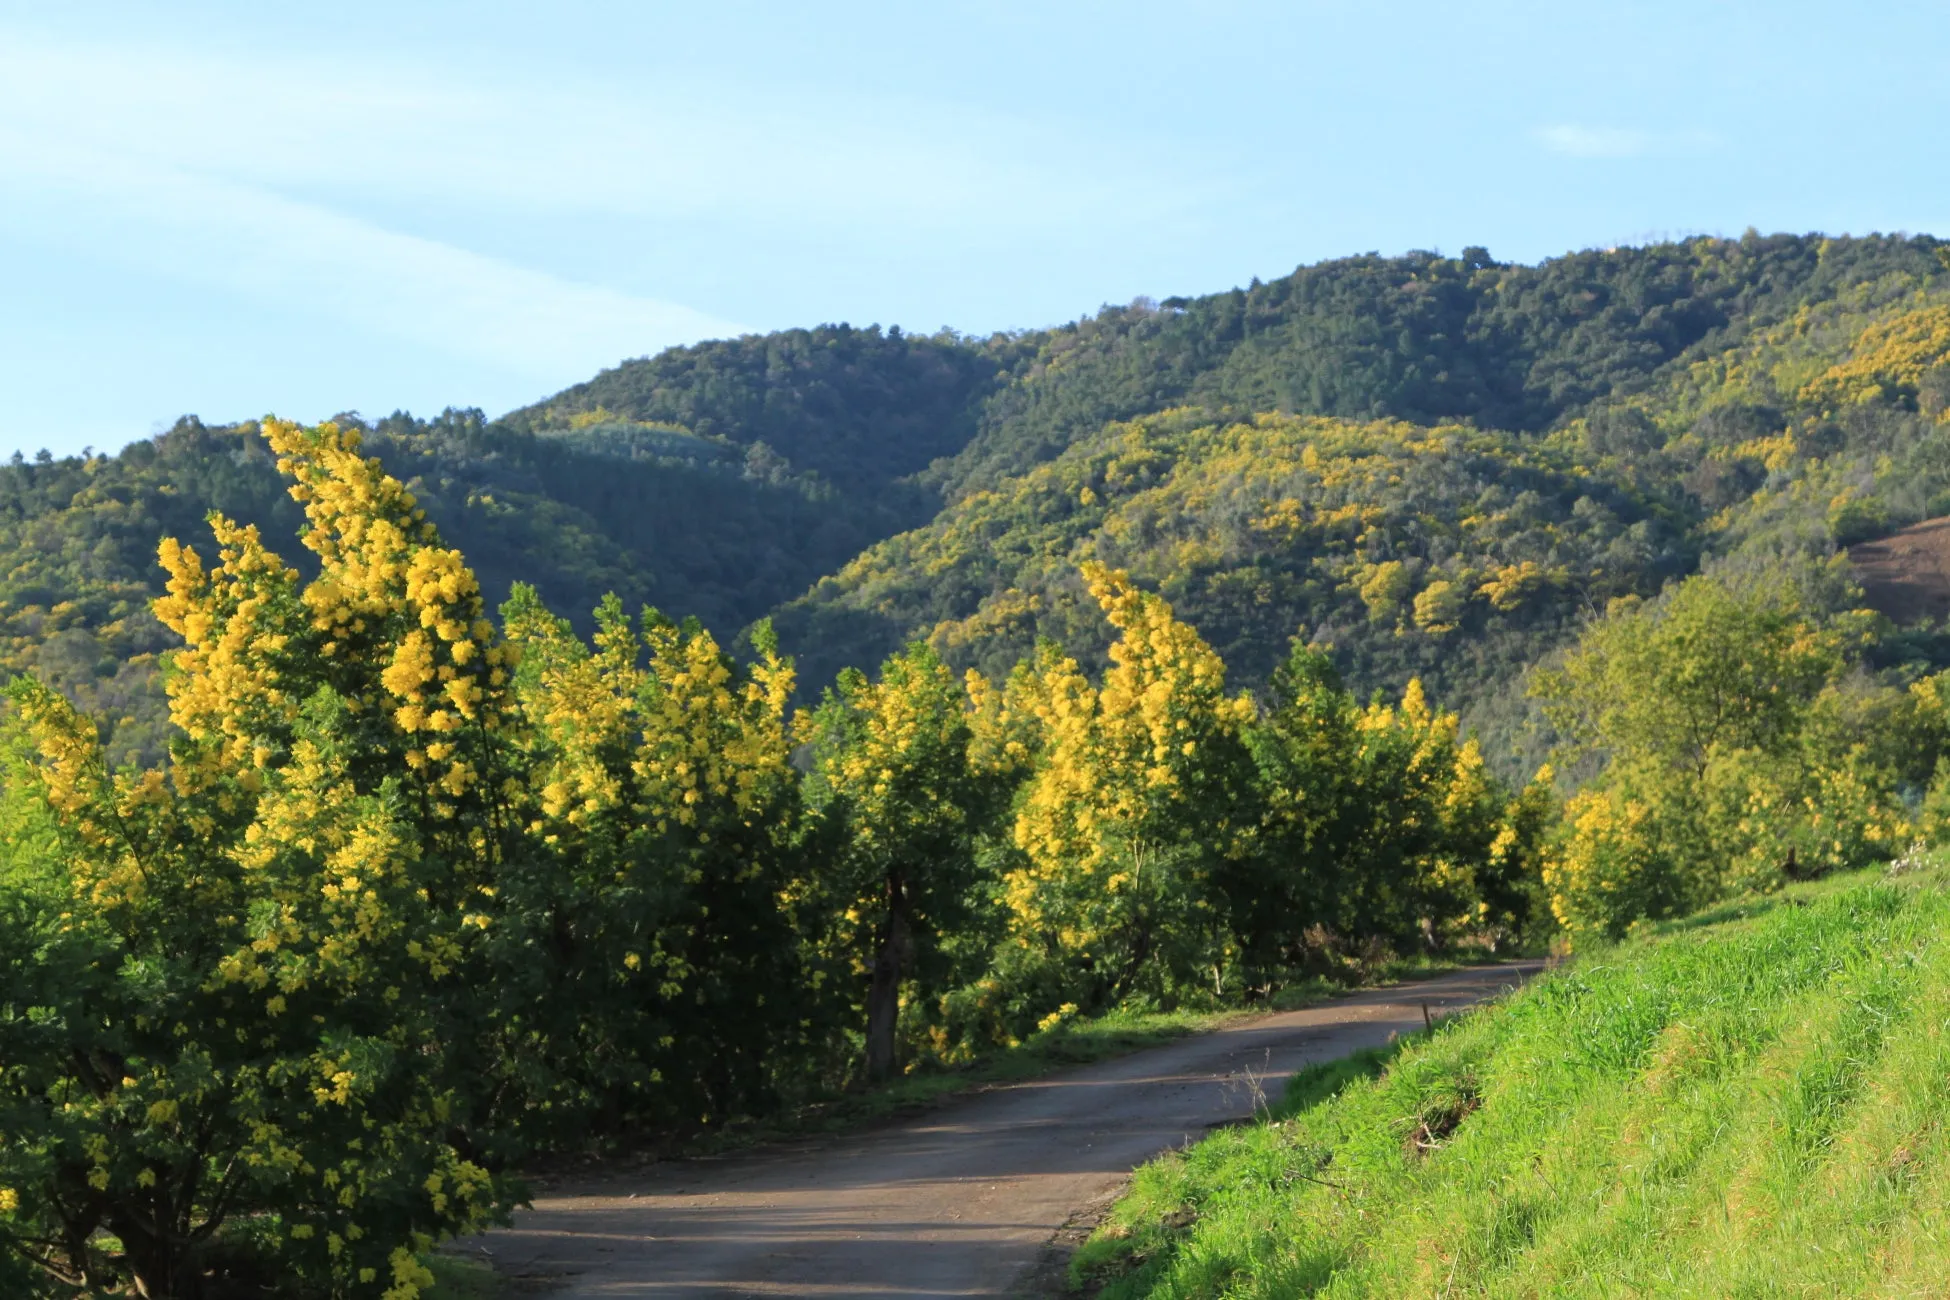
x=962 y=1201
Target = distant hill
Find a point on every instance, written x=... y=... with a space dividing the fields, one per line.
x=861 y=408
x=698 y=526
x=1734 y=403
x=1437 y=464
x=1419 y=337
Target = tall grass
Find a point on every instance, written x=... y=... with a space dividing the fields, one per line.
x=1751 y=1102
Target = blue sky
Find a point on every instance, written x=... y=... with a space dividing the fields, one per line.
x=230 y=209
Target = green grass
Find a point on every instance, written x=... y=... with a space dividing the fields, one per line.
x=464 y=1279
x=1751 y=1102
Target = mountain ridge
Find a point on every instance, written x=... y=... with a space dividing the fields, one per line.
x=870 y=486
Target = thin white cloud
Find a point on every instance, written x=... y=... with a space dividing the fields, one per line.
x=1618 y=142
x=316 y=185
x=633 y=150
x=303 y=256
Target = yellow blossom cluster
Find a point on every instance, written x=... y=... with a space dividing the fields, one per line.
x=1609 y=861
x=707 y=735
x=1004 y=725
x=897 y=725
x=235 y=620
x=586 y=705
x=1118 y=762
x=125 y=822
x=1458 y=785
x=1264 y=505
x=1888 y=360
x=658 y=727
x=389 y=595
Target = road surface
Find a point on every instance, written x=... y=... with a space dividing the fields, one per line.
x=961 y=1201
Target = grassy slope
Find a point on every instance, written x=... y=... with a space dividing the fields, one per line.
x=1751 y=1102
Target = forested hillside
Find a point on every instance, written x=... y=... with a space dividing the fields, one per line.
x=1421 y=338
x=1732 y=403
x=1509 y=448
x=1446 y=553
x=862 y=408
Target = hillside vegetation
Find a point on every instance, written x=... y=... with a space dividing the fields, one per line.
x=1804 y=419
x=1447 y=553
x=1747 y=1102
x=1632 y=411
x=653 y=514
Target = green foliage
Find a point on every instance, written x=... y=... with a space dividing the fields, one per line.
x=905 y=804
x=1419 y=338
x=284 y=1012
x=1677 y=380
x=859 y=407
x=705 y=527
x=1376 y=822
x=1173 y=845
x=645 y=972
x=1738 y=753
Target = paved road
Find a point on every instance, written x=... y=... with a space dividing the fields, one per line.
x=958 y=1202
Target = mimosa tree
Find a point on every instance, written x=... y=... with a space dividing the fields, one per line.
x=649 y=968
x=892 y=772
x=1132 y=807
x=256 y=985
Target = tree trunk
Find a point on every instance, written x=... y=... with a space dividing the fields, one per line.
x=883 y=996
x=164 y=1268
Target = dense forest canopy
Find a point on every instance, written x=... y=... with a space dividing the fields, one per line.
x=860 y=407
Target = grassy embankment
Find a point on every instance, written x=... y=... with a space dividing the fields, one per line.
x=1748 y=1102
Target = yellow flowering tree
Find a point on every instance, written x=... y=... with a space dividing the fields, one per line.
x=1377 y=822
x=1609 y=865
x=649 y=968
x=1132 y=807
x=272 y=936
x=906 y=804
